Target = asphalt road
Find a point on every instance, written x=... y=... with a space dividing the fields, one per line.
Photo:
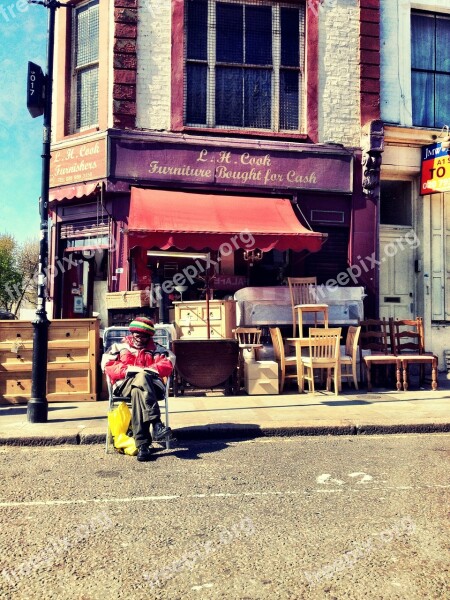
x=326 y=517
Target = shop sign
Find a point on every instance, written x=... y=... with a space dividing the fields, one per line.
x=168 y=162
x=230 y=282
x=435 y=169
x=78 y=163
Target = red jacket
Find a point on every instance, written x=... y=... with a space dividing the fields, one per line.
x=123 y=355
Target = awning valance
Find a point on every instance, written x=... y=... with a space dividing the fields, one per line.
x=166 y=219
x=73 y=191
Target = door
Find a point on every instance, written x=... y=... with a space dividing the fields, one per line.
x=396 y=273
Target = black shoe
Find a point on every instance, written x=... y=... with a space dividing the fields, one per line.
x=160 y=431
x=145 y=453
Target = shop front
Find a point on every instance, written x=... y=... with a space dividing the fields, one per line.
x=182 y=218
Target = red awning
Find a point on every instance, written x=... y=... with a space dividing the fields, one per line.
x=73 y=191
x=167 y=219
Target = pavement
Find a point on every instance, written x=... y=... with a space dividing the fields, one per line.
x=213 y=415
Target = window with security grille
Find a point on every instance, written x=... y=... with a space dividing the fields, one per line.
x=430 y=69
x=244 y=64
x=85 y=65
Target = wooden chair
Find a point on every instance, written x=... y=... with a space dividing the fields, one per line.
x=287 y=364
x=248 y=338
x=409 y=342
x=323 y=354
x=376 y=336
x=348 y=359
x=303 y=293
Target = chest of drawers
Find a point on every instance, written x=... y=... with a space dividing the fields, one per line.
x=191 y=319
x=72 y=360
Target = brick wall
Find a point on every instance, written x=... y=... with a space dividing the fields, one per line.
x=369 y=45
x=124 y=63
x=339 y=90
x=154 y=73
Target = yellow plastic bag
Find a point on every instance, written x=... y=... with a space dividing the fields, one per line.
x=125 y=443
x=119 y=421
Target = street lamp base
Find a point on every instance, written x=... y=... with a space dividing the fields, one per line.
x=37 y=410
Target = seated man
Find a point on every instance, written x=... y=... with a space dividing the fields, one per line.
x=135 y=367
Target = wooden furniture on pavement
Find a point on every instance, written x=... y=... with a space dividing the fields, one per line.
x=348 y=359
x=287 y=364
x=375 y=336
x=249 y=339
x=191 y=319
x=72 y=360
x=323 y=354
x=409 y=343
x=303 y=293
x=206 y=363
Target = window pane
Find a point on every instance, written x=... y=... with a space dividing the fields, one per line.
x=196 y=94
x=395 y=203
x=258 y=94
x=229 y=96
x=290 y=37
x=422 y=42
x=442 y=100
x=423 y=99
x=229 y=33
x=443 y=45
x=197 y=20
x=86 y=49
x=289 y=98
x=87 y=97
x=258 y=35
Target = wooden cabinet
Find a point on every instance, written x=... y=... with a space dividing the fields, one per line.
x=72 y=360
x=191 y=319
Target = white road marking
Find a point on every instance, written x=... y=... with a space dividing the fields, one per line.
x=326 y=478
x=197 y=588
x=364 y=479
x=217 y=495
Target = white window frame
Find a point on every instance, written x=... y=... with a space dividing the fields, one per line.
x=276 y=67
x=74 y=128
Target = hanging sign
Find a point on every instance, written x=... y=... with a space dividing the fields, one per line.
x=435 y=169
x=35 y=90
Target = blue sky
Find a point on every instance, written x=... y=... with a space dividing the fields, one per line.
x=23 y=37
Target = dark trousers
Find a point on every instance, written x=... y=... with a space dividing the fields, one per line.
x=144 y=392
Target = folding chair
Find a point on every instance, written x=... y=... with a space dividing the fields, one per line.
x=115 y=335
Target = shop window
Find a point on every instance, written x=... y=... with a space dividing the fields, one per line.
x=332 y=258
x=85 y=65
x=395 y=203
x=430 y=69
x=244 y=64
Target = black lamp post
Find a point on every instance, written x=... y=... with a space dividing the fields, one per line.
x=37 y=408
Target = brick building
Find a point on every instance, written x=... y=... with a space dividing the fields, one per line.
x=174 y=116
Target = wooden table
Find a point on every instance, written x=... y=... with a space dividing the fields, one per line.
x=298 y=344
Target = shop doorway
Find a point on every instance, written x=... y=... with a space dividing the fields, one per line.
x=397 y=297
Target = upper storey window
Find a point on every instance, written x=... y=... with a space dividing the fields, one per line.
x=85 y=66
x=244 y=64
x=430 y=66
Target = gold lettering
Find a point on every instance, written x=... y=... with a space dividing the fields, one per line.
x=257 y=161
x=203 y=155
